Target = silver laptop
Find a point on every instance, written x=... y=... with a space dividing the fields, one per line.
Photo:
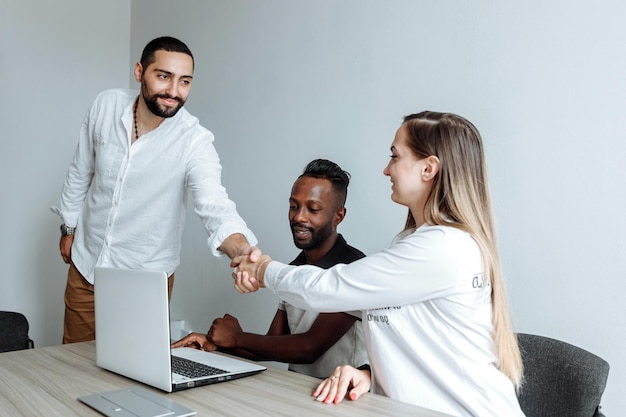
x=133 y=335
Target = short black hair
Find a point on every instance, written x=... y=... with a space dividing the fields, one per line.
x=164 y=43
x=339 y=178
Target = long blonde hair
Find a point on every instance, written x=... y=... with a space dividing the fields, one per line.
x=460 y=198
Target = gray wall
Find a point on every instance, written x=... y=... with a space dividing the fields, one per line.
x=282 y=82
x=54 y=58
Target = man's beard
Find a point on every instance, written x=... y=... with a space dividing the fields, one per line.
x=154 y=106
x=317 y=237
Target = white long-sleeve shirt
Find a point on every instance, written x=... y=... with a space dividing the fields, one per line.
x=128 y=201
x=427 y=319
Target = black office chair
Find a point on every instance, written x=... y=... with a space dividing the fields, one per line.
x=14 y=332
x=561 y=380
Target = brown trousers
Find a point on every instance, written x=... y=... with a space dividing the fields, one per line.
x=80 y=321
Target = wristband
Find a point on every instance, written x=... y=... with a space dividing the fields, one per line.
x=259 y=267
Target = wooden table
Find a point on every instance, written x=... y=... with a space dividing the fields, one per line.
x=47 y=382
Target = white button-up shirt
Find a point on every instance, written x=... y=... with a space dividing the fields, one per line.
x=128 y=201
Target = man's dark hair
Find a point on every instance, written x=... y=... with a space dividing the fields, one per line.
x=164 y=43
x=325 y=169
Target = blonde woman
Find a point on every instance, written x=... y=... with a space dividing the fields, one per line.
x=437 y=323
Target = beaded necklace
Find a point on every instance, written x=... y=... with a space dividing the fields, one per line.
x=135 y=118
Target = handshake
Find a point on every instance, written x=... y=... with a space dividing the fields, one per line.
x=249 y=270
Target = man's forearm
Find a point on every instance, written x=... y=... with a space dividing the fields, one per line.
x=292 y=348
x=233 y=244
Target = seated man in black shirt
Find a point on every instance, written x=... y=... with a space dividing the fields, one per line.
x=312 y=343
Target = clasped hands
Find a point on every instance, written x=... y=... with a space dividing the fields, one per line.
x=248 y=273
x=223 y=333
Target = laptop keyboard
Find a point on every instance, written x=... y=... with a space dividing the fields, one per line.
x=192 y=369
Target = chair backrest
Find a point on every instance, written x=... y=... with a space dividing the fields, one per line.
x=14 y=332
x=561 y=380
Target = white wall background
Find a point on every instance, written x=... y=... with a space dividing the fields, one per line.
x=282 y=82
x=54 y=58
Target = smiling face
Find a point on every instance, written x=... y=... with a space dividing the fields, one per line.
x=165 y=83
x=314 y=215
x=411 y=176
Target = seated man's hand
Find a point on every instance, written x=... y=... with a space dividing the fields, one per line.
x=344 y=380
x=196 y=341
x=225 y=331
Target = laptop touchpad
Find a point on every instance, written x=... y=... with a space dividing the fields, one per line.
x=135 y=401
